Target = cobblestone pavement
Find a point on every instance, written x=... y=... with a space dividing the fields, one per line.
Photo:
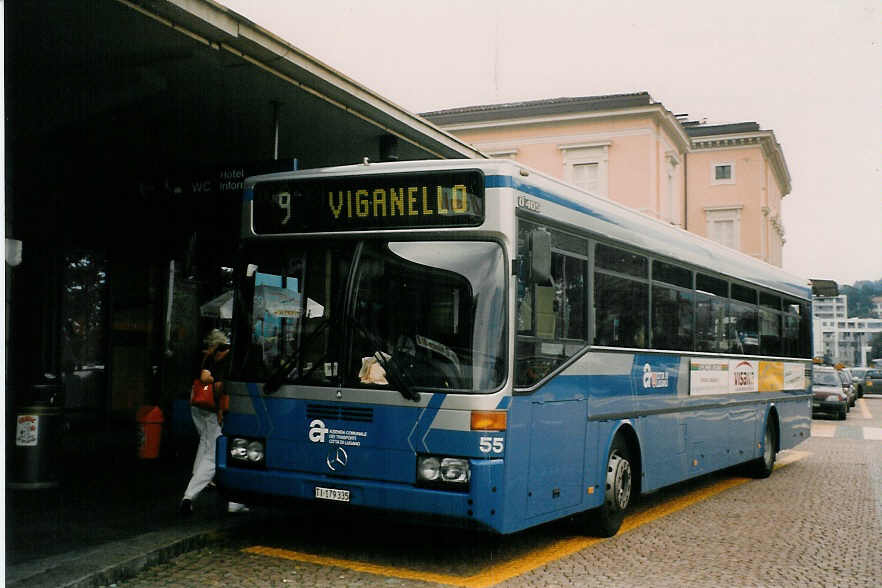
x=814 y=522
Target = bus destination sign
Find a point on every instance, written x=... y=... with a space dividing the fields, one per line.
x=357 y=203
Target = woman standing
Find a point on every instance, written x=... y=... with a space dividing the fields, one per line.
x=212 y=369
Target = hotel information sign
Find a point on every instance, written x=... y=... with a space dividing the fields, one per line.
x=357 y=203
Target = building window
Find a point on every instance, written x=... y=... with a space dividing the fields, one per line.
x=723 y=172
x=724 y=225
x=585 y=176
x=587 y=166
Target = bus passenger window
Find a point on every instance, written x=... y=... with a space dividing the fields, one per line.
x=672 y=307
x=671 y=319
x=790 y=329
x=621 y=304
x=805 y=329
x=711 y=316
x=770 y=324
x=551 y=321
x=743 y=321
x=574 y=325
x=743 y=331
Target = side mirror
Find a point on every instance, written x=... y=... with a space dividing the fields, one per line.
x=540 y=256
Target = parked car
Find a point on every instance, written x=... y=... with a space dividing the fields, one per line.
x=858 y=375
x=873 y=381
x=829 y=395
x=848 y=386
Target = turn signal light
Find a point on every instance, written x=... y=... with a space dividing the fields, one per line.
x=489 y=420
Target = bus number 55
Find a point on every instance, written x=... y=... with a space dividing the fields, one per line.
x=494 y=444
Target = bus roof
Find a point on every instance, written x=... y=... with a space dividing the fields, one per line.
x=567 y=204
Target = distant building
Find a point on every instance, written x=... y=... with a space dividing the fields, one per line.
x=830 y=307
x=724 y=182
x=839 y=338
x=877 y=306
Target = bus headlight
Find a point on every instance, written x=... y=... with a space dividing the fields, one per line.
x=455 y=470
x=434 y=470
x=428 y=469
x=239 y=449
x=246 y=452
x=255 y=451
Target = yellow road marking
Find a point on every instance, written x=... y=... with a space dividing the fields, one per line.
x=532 y=560
x=788 y=456
x=865 y=410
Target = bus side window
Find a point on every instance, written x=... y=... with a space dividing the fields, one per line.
x=672 y=307
x=770 y=324
x=711 y=315
x=551 y=317
x=621 y=298
x=744 y=335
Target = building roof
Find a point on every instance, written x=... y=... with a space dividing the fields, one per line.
x=696 y=129
x=550 y=106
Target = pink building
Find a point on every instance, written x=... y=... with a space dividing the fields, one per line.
x=724 y=182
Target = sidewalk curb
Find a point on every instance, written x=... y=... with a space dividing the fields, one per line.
x=113 y=562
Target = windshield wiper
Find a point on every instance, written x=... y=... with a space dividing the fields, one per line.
x=290 y=363
x=394 y=371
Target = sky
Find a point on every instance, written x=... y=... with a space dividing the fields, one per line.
x=809 y=70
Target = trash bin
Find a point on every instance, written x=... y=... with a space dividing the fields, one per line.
x=38 y=429
x=149 y=419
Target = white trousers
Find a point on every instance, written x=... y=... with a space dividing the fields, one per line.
x=203 y=466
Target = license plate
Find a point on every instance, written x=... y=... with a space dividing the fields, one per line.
x=332 y=494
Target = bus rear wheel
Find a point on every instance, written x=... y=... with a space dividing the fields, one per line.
x=763 y=466
x=606 y=520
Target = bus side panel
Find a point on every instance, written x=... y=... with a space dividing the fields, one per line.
x=795 y=419
x=707 y=437
x=664 y=459
x=546 y=455
x=662 y=388
x=517 y=464
x=557 y=452
x=745 y=431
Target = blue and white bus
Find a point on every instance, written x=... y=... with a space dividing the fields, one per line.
x=481 y=344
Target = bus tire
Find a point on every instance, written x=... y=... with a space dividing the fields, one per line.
x=606 y=520
x=762 y=467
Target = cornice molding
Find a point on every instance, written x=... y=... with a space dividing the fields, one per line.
x=656 y=112
x=566 y=139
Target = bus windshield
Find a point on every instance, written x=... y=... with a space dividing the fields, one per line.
x=328 y=309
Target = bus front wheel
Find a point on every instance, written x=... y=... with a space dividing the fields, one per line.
x=606 y=520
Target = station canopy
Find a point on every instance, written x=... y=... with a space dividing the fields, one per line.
x=173 y=81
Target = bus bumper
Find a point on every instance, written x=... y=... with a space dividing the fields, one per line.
x=479 y=506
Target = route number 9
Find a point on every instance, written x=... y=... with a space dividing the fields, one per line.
x=494 y=444
x=284 y=199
